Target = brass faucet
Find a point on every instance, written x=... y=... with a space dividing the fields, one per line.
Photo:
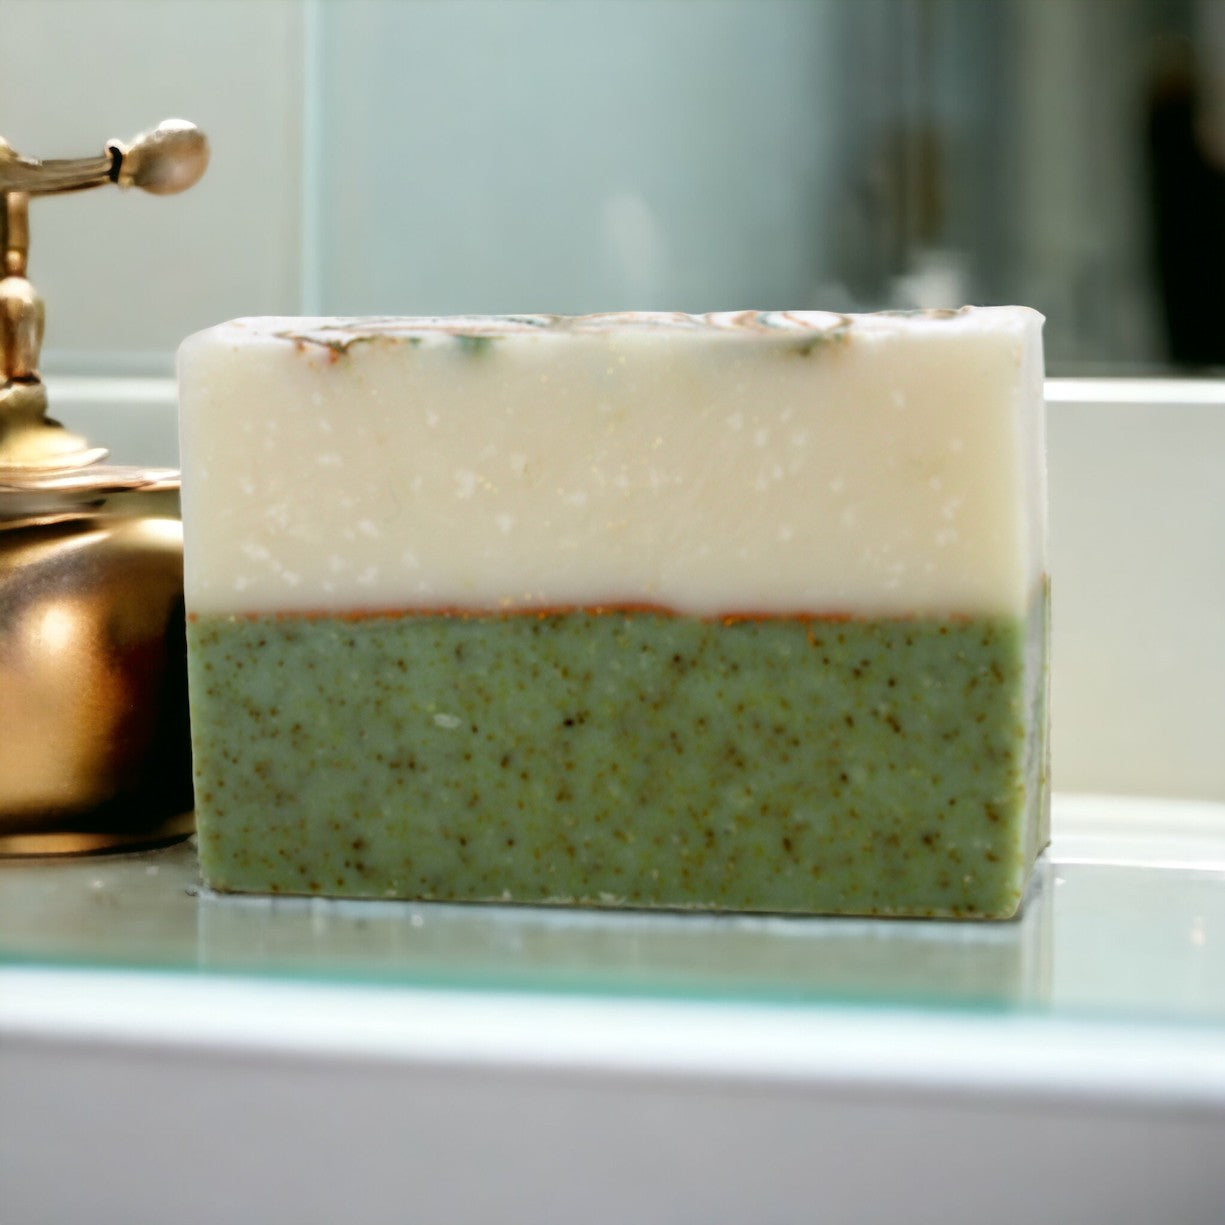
x=94 y=751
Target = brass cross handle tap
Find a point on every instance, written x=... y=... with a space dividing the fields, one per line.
x=94 y=751
x=167 y=159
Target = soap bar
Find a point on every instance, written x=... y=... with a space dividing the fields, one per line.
x=738 y=611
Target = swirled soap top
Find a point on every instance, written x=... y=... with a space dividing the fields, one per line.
x=773 y=461
x=802 y=329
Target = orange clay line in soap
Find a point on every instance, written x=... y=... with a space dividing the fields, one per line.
x=548 y=612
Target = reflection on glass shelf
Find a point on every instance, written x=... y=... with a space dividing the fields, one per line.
x=1127 y=940
x=150 y=910
x=723 y=956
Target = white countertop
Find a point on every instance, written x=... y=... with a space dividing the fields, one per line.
x=306 y=1060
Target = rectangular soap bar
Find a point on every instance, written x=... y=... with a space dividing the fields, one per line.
x=741 y=611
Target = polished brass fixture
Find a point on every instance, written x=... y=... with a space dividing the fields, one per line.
x=94 y=751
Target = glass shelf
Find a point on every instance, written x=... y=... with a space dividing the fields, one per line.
x=1125 y=921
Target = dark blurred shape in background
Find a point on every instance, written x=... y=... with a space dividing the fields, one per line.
x=1069 y=154
x=1187 y=193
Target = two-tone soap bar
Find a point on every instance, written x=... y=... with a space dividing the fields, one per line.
x=741 y=612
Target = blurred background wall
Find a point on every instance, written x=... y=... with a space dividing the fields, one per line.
x=379 y=156
x=572 y=155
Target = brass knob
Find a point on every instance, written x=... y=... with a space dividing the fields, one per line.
x=166 y=160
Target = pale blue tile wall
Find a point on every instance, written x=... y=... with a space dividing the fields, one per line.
x=485 y=156
x=125 y=275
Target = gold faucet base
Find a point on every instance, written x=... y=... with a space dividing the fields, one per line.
x=94 y=753
x=61 y=842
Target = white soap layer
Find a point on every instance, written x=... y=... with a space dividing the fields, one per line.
x=863 y=465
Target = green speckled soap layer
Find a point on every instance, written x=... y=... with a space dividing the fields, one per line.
x=868 y=767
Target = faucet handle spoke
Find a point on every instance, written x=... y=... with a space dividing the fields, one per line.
x=166 y=159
